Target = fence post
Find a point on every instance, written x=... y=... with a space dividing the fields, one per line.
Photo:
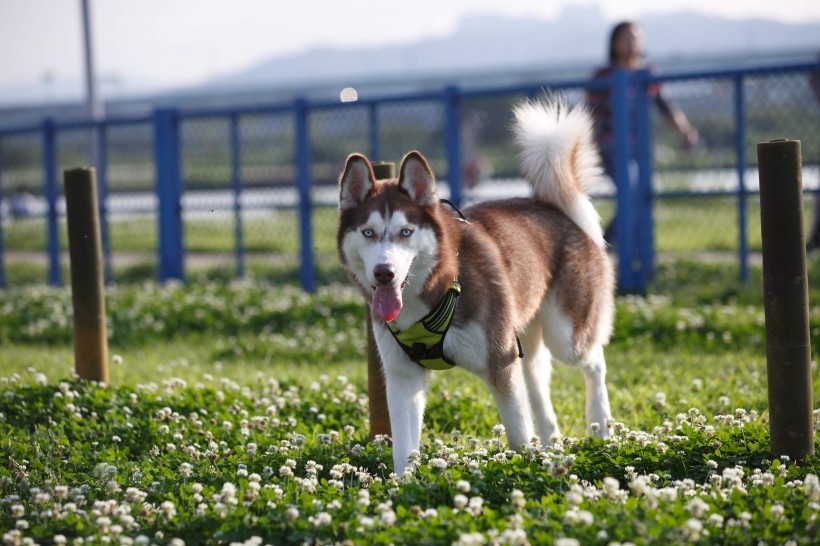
x=785 y=285
x=452 y=141
x=645 y=226
x=169 y=194
x=303 y=183
x=236 y=184
x=102 y=193
x=376 y=391
x=52 y=195
x=87 y=294
x=625 y=209
x=740 y=152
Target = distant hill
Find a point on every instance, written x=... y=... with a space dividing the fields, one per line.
x=570 y=44
x=484 y=50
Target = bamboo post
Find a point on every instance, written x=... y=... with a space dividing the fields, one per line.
x=88 y=299
x=785 y=285
x=377 y=395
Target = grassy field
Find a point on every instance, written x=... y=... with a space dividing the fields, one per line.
x=237 y=413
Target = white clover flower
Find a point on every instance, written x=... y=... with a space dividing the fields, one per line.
x=117 y=360
x=322 y=519
x=498 y=431
x=168 y=510
x=517 y=498
x=292 y=514
x=364 y=498
x=438 y=463
x=574 y=498
x=460 y=501
x=594 y=428
x=516 y=537
x=777 y=511
x=18 y=511
x=470 y=539
x=811 y=487
x=697 y=507
x=611 y=486
x=585 y=517
x=387 y=518
x=639 y=485
x=566 y=541
x=571 y=517
x=692 y=529
x=715 y=520
x=475 y=504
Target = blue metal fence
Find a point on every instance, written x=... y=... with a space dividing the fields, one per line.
x=169 y=181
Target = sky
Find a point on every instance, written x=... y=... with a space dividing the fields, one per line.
x=169 y=43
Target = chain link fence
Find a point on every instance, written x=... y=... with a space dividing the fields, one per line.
x=242 y=208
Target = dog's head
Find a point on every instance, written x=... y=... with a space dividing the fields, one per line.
x=387 y=237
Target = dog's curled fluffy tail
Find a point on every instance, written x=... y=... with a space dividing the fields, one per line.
x=559 y=158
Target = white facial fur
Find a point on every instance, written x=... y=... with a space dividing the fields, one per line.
x=412 y=257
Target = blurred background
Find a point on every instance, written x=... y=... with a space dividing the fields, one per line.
x=254 y=99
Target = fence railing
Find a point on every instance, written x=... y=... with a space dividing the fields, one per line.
x=243 y=191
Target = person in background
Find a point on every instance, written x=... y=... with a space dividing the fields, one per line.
x=626 y=52
x=21 y=202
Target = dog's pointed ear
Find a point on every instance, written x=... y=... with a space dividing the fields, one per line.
x=416 y=178
x=356 y=181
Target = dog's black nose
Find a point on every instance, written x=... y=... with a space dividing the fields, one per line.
x=384 y=274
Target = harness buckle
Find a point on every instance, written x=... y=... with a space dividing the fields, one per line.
x=418 y=351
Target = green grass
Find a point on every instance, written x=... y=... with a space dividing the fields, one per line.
x=266 y=431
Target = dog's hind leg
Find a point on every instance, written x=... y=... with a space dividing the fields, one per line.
x=598 y=415
x=510 y=394
x=537 y=375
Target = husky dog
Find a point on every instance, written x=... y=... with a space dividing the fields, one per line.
x=500 y=292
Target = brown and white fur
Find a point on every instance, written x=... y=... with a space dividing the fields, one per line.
x=536 y=268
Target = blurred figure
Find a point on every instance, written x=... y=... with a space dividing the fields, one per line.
x=477 y=166
x=21 y=202
x=626 y=52
x=813 y=241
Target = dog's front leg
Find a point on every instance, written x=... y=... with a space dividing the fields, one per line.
x=406 y=384
x=406 y=399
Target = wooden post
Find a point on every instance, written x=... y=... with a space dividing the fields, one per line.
x=785 y=285
x=379 y=413
x=85 y=250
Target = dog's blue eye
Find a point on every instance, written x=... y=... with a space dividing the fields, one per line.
x=406 y=232
x=368 y=233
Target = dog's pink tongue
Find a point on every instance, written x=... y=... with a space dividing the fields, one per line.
x=387 y=302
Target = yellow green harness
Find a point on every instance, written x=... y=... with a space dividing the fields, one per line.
x=424 y=340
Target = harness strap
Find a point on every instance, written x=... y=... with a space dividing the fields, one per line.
x=423 y=341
